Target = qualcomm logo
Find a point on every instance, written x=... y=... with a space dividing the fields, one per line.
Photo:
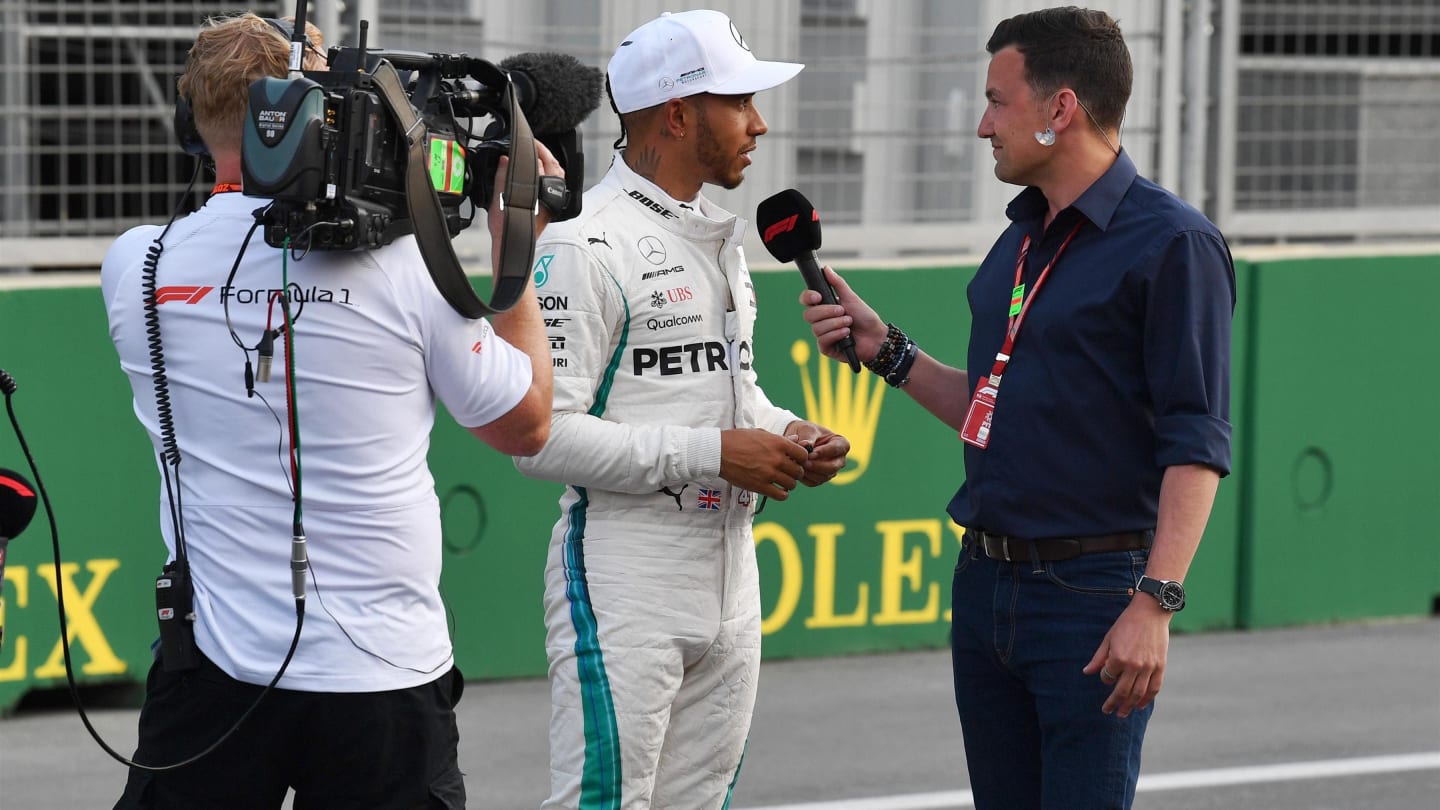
x=542 y=269
x=847 y=403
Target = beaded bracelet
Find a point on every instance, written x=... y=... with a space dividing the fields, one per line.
x=901 y=373
x=895 y=358
x=884 y=360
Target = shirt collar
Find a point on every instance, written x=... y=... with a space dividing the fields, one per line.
x=1098 y=203
x=699 y=218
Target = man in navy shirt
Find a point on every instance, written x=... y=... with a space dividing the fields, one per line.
x=1095 y=422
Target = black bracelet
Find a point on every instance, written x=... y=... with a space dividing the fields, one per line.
x=900 y=374
x=890 y=353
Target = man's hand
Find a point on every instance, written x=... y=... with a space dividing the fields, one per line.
x=827 y=451
x=850 y=316
x=761 y=462
x=548 y=165
x=1132 y=656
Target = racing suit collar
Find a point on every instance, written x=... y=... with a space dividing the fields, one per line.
x=700 y=219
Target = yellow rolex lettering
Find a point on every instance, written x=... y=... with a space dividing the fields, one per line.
x=902 y=572
x=15 y=670
x=792 y=575
x=79 y=607
x=825 y=535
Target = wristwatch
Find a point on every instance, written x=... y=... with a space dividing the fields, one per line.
x=1169 y=593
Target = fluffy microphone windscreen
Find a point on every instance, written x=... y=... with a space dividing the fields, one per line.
x=557 y=91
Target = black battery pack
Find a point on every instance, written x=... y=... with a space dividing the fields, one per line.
x=175 y=608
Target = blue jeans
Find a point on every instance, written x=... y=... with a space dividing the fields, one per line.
x=1035 y=737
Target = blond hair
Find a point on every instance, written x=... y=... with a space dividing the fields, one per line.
x=228 y=55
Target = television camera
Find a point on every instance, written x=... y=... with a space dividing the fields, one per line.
x=384 y=143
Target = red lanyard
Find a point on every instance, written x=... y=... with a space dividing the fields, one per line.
x=1002 y=358
x=221 y=188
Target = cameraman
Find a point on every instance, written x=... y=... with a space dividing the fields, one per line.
x=364 y=715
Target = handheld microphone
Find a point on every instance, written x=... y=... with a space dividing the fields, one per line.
x=790 y=229
x=17 y=507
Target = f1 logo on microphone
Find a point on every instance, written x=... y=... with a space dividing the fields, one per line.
x=188 y=294
x=783 y=226
x=787 y=225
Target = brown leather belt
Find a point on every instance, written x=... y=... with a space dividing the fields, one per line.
x=1017 y=549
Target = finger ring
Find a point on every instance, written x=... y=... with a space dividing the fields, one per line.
x=1106 y=676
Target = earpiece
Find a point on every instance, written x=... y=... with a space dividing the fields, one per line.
x=1046 y=138
x=185 y=130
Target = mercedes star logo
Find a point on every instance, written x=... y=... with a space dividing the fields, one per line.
x=667 y=83
x=651 y=249
x=739 y=40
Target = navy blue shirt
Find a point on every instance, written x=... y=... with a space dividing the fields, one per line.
x=1121 y=367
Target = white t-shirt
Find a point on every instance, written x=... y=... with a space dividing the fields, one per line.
x=374 y=346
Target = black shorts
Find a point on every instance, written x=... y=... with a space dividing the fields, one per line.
x=372 y=750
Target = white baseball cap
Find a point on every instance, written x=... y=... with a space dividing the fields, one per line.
x=689 y=52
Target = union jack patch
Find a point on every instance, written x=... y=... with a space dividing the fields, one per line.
x=709 y=499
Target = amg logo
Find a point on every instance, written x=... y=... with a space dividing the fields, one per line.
x=558 y=323
x=679 y=268
x=550 y=303
x=653 y=206
x=671 y=360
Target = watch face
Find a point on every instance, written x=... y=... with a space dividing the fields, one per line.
x=1172 y=595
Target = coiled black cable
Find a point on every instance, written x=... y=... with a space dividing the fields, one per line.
x=165 y=414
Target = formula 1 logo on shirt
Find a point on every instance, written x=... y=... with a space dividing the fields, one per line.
x=190 y=294
x=709 y=499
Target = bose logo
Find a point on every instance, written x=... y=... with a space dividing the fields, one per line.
x=653 y=206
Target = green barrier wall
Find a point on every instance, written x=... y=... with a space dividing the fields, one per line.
x=1343 y=448
x=862 y=564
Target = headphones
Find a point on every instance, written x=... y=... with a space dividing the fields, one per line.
x=186 y=132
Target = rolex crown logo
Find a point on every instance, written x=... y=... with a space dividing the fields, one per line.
x=848 y=404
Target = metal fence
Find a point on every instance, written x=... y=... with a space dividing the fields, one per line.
x=1283 y=119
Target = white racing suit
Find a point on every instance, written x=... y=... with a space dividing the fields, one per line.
x=652 y=602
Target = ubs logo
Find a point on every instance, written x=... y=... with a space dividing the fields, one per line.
x=652 y=249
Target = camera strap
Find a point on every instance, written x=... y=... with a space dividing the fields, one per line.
x=517 y=240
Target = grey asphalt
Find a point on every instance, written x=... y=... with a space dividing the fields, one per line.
x=880 y=726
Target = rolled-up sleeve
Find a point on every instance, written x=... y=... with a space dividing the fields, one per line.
x=1189 y=311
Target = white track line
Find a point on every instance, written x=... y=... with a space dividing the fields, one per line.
x=1179 y=780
